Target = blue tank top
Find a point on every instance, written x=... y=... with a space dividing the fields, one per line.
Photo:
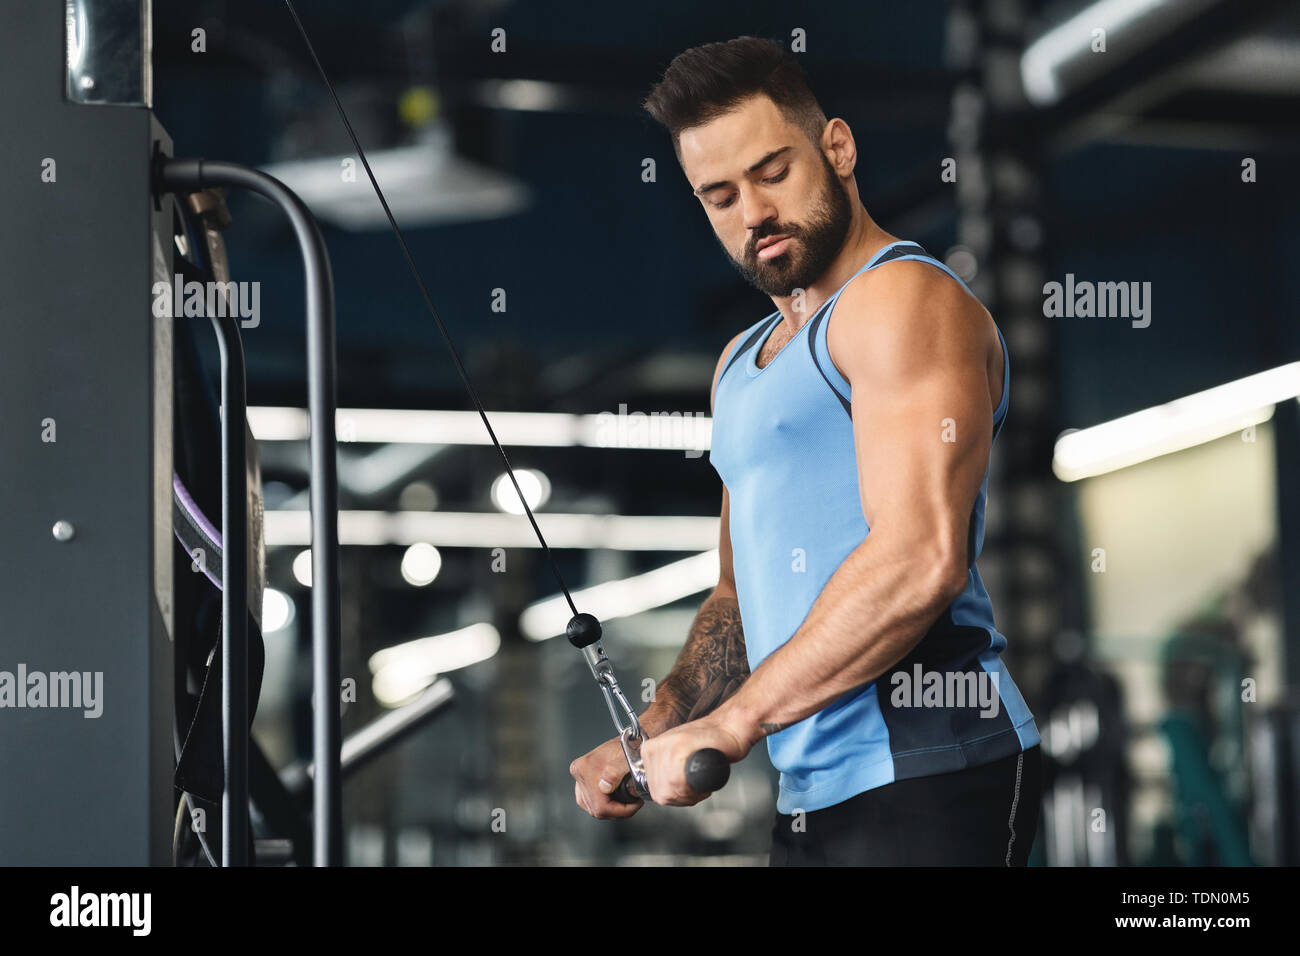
x=783 y=446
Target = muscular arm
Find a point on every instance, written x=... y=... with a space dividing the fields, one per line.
x=712 y=665
x=710 y=668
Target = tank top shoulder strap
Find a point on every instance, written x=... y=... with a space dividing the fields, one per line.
x=904 y=250
x=748 y=338
x=821 y=354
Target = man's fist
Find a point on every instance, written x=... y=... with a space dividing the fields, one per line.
x=596 y=775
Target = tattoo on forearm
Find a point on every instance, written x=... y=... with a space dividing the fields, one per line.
x=712 y=665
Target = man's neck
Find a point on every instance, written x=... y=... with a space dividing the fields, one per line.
x=864 y=240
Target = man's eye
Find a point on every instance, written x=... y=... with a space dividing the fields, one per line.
x=771 y=179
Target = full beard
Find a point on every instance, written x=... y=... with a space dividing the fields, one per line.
x=811 y=250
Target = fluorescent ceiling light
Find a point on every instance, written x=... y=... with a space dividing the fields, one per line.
x=1129 y=25
x=533 y=483
x=1182 y=423
x=448 y=529
x=425 y=184
x=301 y=563
x=534 y=96
x=625 y=597
x=404 y=670
x=671 y=432
x=277 y=610
x=421 y=564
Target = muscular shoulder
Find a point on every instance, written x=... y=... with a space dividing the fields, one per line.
x=901 y=314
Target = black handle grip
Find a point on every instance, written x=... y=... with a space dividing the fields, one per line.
x=623 y=792
x=707 y=770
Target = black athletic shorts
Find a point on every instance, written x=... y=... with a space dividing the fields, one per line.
x=980 y=816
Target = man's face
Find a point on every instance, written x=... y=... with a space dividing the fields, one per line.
x=759 y=177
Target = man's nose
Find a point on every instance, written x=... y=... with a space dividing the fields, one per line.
x=756 y=209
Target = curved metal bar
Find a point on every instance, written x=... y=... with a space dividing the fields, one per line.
x=327 y=827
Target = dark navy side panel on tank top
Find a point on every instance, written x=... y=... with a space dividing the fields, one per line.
x=783 y=445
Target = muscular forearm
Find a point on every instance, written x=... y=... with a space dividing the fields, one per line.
x=874 y=609
x=710 y=668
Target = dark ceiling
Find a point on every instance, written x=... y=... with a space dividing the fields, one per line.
x=604 y=272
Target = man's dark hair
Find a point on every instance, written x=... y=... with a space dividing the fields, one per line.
x=708 y=81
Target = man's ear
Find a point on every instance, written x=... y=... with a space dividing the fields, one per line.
x=846 y=148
